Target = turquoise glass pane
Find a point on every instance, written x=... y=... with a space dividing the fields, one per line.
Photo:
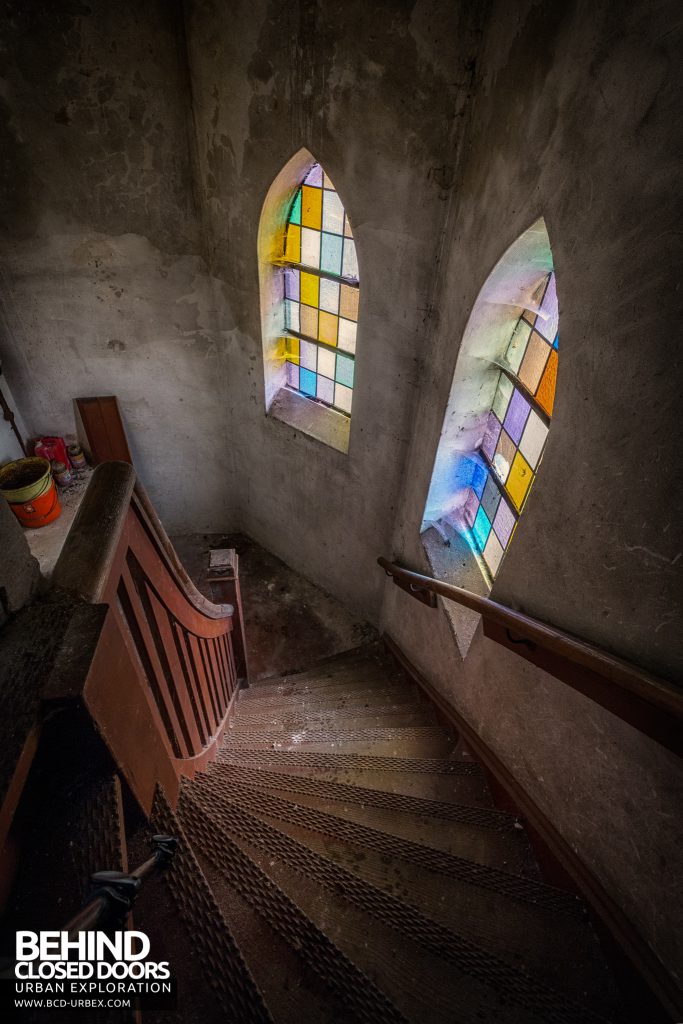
x=344 y=374
x=481 y=528
x=307 y=382
x=331 y=253
x=295 y=212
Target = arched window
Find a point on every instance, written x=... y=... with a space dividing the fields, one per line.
x=309 y=273
x=517 y=428
x=499 y=410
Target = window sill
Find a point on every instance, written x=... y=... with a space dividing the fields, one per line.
x=317 y=421
x=457 y=564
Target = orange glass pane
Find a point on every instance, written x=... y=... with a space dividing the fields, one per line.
x=348 y=302
x=534 y=362
x=545 y=396
x=311 y=207
x=327 y=328
x=293 y=243
x=309 y=321
x=519 y=480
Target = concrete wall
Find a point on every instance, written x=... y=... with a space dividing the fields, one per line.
x=574 y=119
x=103 y=285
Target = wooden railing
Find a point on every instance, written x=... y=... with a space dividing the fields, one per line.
x=162 y=677
x=652 y=705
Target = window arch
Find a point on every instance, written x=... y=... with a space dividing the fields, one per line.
x=500 y=407
x=310 y=296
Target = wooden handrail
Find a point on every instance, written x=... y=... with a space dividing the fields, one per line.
x=163 y=675
x=651 y=704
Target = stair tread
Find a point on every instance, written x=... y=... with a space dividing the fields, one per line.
x=405 y=944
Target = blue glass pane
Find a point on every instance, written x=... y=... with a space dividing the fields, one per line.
x=331 y=253
x=481 y=528
x=344 y=374
x=295 y=212
x=478 y=482
x=307 y=382
x=555 y=343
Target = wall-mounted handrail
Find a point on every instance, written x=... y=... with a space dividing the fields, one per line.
x=651 y=704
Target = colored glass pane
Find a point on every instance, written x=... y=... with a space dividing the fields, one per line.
x=347 y=335
x=493 y=553
x=314 y=176
x=331 y=253
x=327 y=328
x=308 y=355
x=325 y=390
x=317 y=304
x=517 y=414
x=311 y=207
x=307 y=382
x=310 y=248
x=518 y=343
x=293 y=244
x=481 y=529
x=329 y=295
x=534 y=361
x=479 y=477
x=310 y=289
x=490 y=498
x=488 y=445
x=505 y=453
x=308 y=320
x=349 y=262
x=533 y=439
x=519 y=480
x=326 y=362
x=504 y=523
x=545 y=396
x=333 y=214
x=471 y=507
x=548 y=315
x=502 y=397
x=344 y=374
x=295 y=212
x=293 y=375
x=343 y=397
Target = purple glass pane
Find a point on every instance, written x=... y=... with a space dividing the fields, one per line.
x=503 y=523
x=517 y=415
x=315 y=176
x=292 y=284
x=488 y=445
x=471 y=507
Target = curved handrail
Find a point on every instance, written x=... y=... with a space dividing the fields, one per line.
x=85 y=561
x=656 y=692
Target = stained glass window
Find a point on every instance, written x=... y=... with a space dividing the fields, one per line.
x=319 y=294
x=516 y=430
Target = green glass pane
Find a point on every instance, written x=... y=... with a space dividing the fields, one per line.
x=344 y=374
x=502 y=397
x=295 y=212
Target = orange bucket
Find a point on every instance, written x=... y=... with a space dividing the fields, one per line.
x=28 y=486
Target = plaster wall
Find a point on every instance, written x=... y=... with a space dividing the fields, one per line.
x=376 y=92
x=103 y=284
x=575 y=120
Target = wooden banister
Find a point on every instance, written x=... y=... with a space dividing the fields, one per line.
x=162 y=678
x=650 y=704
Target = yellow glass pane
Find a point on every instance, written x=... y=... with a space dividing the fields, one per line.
x=348 y=302
x=311 y=207
x=545 y=396
x=309 y=321
x=309 y=289
x=519 y=480
x=292 y=349
x=293 y=244
x=327 y=328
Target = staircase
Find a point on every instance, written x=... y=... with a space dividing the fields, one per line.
x=340 y=862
